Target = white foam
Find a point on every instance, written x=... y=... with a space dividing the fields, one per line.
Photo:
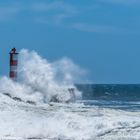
x=41 y=81
x=66 y=122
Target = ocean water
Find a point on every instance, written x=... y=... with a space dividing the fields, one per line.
x=40 y=106
x=101 y=118
x=121 y=96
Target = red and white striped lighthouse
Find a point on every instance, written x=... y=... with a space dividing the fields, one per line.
x=13 y=64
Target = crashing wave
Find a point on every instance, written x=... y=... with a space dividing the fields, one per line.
x=42 y=81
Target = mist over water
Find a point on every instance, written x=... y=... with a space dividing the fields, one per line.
x=40 y=80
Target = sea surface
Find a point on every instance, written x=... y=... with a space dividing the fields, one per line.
x=121 y=96
x=105 y=112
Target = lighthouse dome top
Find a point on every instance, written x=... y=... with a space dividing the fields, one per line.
x=13 y=51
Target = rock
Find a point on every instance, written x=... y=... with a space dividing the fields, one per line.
x=17 y=99
x=7 y=94
x=31 y=102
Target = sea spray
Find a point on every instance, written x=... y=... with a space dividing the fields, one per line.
x=42 y=81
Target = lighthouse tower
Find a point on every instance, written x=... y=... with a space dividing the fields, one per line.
x=13 y=64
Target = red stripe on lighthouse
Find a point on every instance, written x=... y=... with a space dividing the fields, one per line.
x=13 y=63
x=13 y=74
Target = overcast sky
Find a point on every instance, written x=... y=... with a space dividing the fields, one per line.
x=102 y=36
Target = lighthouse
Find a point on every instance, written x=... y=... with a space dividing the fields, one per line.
x=13 y=64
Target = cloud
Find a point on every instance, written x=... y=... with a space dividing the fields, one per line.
x=47 y=12
x=124 y=2
x=53 y=12
x=53 y=6
x=7 y=13
x=43 y=12
x=58 y=13
x=93 y=28
x=55 y=19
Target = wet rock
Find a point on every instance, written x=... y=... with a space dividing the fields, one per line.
x=55 y=99
x=17 y=99
x=7 y=94
x=31 y=102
